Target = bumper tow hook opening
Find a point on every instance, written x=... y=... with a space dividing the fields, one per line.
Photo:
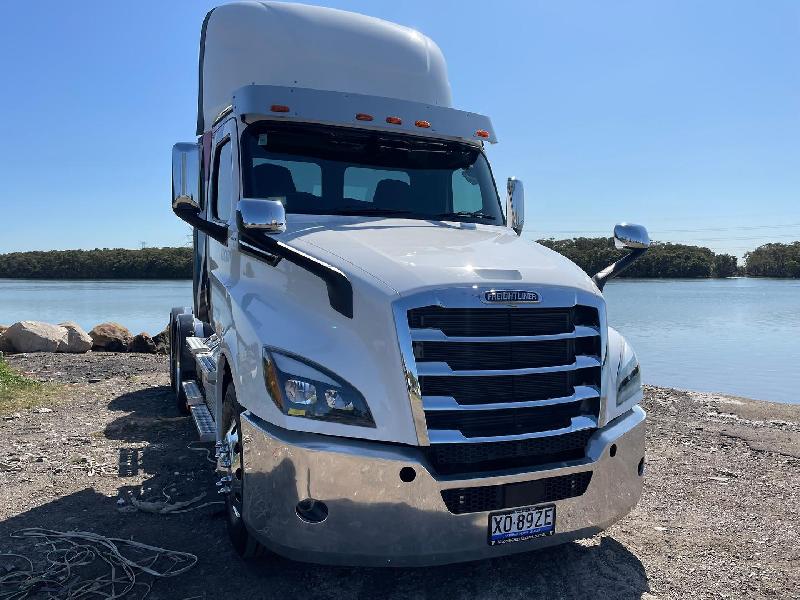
x=407 y=474
x=641 y=467
x=613 y=450
x=312 y=511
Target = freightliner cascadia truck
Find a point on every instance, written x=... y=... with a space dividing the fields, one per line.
x=391 y=374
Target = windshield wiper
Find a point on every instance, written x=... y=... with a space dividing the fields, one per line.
x=465 y=213
x=371 y=211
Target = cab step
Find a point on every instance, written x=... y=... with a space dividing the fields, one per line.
x=203 y=420
x=194 y=396
x=208 y=368
x=204 y=423
x=197 y=345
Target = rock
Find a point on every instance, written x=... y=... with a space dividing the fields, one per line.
x=5 y=343
x=111 y=337
x=142 y=343
x=77 y=339
x=35 y=336
x=162 y=341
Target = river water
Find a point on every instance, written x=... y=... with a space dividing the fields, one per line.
x=737 y=336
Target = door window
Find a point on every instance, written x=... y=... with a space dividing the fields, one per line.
x=222 y=192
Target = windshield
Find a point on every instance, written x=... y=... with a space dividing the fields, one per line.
x=342 y=171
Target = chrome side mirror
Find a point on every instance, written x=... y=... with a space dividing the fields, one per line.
x=628 y=235
x=186 y=176
x=259 y=214
x=515 y=204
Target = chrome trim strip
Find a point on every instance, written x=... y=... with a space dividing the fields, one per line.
x=436 y=335
x=409 y=366
x=437 y=369
x=451 y=436
x=439 y=403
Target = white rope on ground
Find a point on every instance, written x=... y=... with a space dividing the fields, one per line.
x=168 y=507
x=66 y=552
x=206 y=450
x=164 y=507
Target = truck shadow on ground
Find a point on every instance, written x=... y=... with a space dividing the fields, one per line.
x=154 y=440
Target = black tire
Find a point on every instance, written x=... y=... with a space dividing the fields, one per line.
x=182 y=365
x=173 y=318
x=243 y=541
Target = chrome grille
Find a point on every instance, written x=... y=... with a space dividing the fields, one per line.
x=511 y=388
x=505 y=378
x=464 y=458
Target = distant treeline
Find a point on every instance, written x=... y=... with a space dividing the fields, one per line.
x=591 y=254
x=774 y=260
x=661 y=260
x=105 y=263
x=679 y=260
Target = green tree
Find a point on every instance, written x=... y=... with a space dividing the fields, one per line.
x=774 y=260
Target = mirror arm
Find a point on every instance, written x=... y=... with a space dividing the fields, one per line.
x=191 y=215
x=340 y=290
x=614 y=269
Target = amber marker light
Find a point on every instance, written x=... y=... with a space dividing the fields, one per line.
x=363 y=117
x=482 y=133
x=279 y=108
x=394 y=120
x=423 y=124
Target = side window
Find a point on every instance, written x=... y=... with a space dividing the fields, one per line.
x=467 y=195
x=222 y=192
x=360 y=183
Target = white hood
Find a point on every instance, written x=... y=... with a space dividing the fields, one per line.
x=409 y=255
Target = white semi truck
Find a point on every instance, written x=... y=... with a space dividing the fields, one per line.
x=391 y=374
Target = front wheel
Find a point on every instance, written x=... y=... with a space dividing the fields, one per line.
x=243 y=541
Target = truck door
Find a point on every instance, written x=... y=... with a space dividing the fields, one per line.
x=223 y=192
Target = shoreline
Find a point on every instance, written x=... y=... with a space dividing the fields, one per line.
x=717 y=518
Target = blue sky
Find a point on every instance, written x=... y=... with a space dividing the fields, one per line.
x=682 y=115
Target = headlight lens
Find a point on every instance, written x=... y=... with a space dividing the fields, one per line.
x=301 y=388
x=629 y=377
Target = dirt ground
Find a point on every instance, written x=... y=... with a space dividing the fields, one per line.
x=718 y=519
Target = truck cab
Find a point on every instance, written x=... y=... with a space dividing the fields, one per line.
x=390 y=373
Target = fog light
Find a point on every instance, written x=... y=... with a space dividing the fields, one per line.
x=312 y=511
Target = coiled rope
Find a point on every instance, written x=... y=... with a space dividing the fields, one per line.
x=71 y=562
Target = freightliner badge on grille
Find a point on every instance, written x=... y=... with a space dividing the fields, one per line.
x=510 y=296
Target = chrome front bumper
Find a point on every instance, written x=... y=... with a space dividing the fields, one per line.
x=376 y=519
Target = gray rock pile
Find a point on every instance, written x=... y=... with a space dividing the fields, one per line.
x=36 y=336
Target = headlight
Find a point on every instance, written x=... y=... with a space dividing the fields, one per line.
x=301 y=388
x=629 y=378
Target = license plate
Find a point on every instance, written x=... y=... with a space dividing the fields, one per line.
x=521 y=524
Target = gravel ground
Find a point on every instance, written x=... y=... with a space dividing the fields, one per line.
x=718 y=518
